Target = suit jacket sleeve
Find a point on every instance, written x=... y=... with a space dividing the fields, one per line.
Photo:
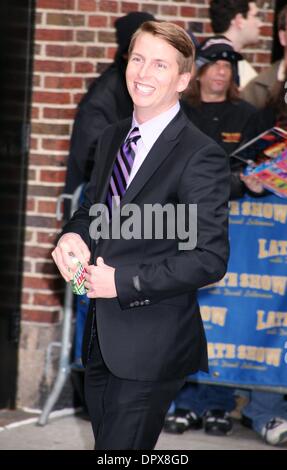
x=205 y=181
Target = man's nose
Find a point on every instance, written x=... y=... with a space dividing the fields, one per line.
x=143 y=70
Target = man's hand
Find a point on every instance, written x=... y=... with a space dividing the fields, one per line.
x=70 y=243
x=100 y=281
x=252 y=183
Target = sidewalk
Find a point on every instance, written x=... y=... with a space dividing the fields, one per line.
x=74 y=433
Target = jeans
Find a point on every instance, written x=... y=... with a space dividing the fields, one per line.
x=202 y=397
x=264 y=406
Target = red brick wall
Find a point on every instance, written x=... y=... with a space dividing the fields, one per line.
x=74 y=41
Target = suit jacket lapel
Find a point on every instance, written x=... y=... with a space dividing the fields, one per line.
x=109 y=157
x=158 y=153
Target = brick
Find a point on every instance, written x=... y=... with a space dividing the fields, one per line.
x=48 y=160
x=85 y=36
x=51 y=97
x=52 y=66
x=84 y=67
x=77 y=98
x=150 y=8
x=28 y=235
x=33 y=143
x=35 y=113
x=52 y=129
x=87 y=5
x=95 y=51
x=59 y=113
x=108 y=6
x=27 y=266
x=47 y=207
x=56 y=144
x=30 y=205
x=169 y=10
x=97 y=21
x=40 y=316
x=42 y=283
x=25 y=298
x=36 y=80
x=106 y=36
x=111 y=52
x=63 y=82
x=188 y=11
x=64 y=51
x=41 y=221
x=127 y=7
x=47 y=191
x=65 y=19
x=47 y=238
x=56 y=4
x=37 y=252
x=266 y=30
x=53 y=35
x=50 y=176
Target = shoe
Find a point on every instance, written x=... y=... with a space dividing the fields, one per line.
x=182 y=420
x=246 y=422
x=275 y=431
x=217 y=422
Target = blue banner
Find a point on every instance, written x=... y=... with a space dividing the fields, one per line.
x=245 y=314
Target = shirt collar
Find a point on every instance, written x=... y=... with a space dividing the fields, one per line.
x=151 y=130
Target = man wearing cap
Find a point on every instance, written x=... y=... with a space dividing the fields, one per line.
x=212 y=101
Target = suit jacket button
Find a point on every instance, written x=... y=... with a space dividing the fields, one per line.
x=132 y=304
x=146 y=302
x=136 y=303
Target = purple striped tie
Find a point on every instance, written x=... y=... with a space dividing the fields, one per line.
x=122 y=168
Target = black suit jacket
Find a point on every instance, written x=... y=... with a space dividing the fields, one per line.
x=153 y=329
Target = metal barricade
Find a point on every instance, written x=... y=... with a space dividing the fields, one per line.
x=65 y=343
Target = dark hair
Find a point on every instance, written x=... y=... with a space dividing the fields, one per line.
x=222 y=12
x=282 y=19
x=192 y=94
x=173 y=35
x=277 y=102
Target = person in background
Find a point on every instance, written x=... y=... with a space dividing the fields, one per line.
x=106 y=102
x=238 y=21
x=260 y=89
x=266 y=412
x=212 y=104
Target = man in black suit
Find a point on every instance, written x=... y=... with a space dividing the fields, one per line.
x=144 y=332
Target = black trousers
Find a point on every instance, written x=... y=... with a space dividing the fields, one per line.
x=125 y=414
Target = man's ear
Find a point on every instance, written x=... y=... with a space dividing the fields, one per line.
x=282 y=37
x=237 y=21
x=183 y=82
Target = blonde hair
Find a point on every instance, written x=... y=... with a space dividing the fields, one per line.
x=173 y=35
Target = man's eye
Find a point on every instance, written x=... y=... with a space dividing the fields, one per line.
x=160 y=65
x=135 y=59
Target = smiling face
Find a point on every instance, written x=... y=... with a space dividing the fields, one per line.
x=153 y=78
